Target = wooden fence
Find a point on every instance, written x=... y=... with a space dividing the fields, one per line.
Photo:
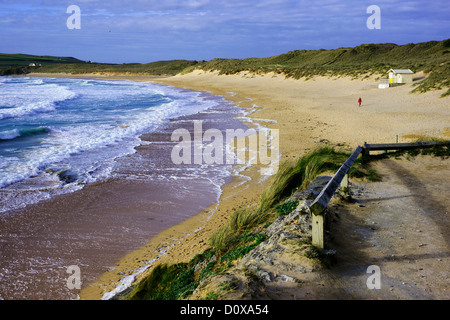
x=340 y=179
x=402 y=146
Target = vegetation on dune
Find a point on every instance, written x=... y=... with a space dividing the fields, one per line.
x=178 y=281
x=431 y=57
x=367 y=59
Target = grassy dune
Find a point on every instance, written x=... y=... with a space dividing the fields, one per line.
x=431 y=57
x=367 y=59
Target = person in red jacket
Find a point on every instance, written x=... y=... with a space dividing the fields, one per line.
x=359 y=102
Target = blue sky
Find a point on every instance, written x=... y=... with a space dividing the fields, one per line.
x=141 y=31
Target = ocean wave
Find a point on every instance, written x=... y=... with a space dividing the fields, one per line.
x=20 y=100
x=36 y=81
x=9 y=135
x=103 y=122
x=16 y=133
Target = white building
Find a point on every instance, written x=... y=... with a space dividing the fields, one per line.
x=400 y=76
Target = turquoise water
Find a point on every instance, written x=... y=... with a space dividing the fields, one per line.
x=58 y=134
x=100 y=152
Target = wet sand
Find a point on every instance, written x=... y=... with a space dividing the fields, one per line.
x=94 y=227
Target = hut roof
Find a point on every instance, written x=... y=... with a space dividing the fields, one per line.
x=401 y=71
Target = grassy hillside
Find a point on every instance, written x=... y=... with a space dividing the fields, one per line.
x=373 y=58
x=20 y=63
x=25 y=59
x=432 y=57
x=367 y=59
x=171 y=67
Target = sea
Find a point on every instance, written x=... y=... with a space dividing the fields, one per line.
x=86 y=175
x=57 y=134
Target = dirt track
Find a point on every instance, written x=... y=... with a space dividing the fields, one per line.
x=400 y=225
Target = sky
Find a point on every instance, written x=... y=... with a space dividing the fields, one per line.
x=142 y=31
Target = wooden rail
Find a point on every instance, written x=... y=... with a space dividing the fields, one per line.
x=402 y=146
x=319 y=205
x=340 y=179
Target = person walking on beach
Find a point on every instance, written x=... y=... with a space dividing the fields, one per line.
x=359 y=102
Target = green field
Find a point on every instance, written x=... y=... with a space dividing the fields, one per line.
x=171 y=67
x=432 y=57
x=20 y=63
x=17 y=60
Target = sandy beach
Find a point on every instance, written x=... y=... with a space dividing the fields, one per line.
x=308 y=114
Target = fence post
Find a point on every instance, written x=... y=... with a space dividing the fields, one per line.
x=317 y=230
x=319 y=205
x=344 y=189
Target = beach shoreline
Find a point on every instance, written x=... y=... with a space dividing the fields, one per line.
x=308 y=114
x=101 y=222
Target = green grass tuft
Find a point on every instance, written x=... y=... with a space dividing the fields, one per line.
x=166 y=282
x=286 y=208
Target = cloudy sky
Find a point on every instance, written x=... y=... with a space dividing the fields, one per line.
x=117 y=31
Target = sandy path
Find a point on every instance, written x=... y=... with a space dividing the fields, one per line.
x=400 y=225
